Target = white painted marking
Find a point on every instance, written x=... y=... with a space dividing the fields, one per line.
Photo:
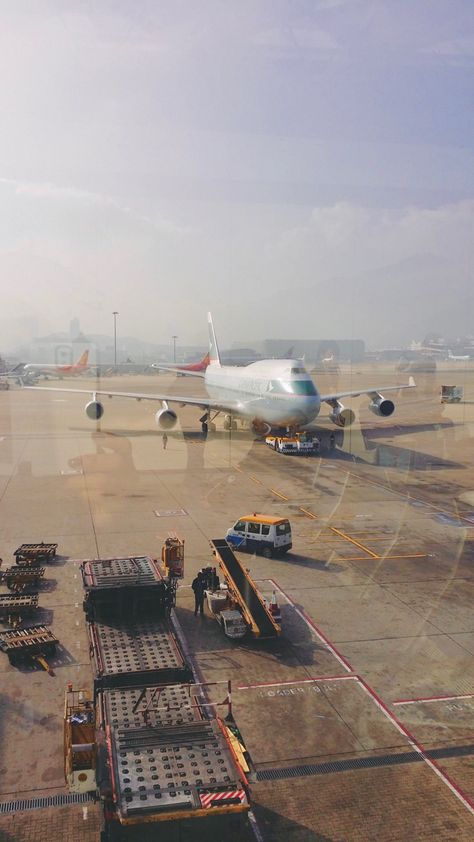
x=255 y=828
x=85 y=811
x=419 y=749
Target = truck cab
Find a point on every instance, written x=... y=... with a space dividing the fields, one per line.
x=261 y=534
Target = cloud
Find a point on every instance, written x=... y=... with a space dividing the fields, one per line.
x=54 y=192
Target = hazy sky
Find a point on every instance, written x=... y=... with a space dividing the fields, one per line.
x=299 y=168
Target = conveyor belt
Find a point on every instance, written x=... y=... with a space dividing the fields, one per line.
x=244 y=589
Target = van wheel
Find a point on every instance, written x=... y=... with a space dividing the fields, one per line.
x=267 y=552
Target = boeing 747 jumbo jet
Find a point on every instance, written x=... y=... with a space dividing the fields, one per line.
x=269 y=394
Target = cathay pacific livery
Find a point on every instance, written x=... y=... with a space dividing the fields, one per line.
x=269 y=394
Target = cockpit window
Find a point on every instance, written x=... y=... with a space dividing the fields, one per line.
x=294 y=387
x=297 y=371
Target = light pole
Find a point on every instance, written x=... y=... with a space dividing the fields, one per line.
x=174 y=338
x=115 y=314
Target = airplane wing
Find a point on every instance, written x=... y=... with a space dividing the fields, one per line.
x=374 y=392
x=182 y=371
x=203 y=402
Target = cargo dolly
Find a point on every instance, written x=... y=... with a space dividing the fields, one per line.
x=244 y=593
x=34 y=643
x=125 y=653
x=13 y=607
x=124 y=587
x=33 y=555
x=17 y=579
x=164 y=760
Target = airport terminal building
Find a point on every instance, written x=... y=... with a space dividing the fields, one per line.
x=313 y=350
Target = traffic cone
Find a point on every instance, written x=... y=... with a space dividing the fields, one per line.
x=275 y=608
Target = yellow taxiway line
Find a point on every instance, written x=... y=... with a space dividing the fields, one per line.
x=278 y=493
x=352 y=541
x=307 y=512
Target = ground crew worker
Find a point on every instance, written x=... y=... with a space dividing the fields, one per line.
x=198 y=587
x=165 y=441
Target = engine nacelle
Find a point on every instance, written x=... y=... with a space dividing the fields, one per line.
x=341 y=416
x=94 y=410
x=261 y=428
x=382 y=406
x=166 y=419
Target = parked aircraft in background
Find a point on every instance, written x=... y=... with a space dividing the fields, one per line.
x=269 y=394
x=456 y=358
x=31 y=371
x=184 y=368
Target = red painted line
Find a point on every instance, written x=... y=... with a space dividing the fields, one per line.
x=463 y=798
x=443 y=776
x=307 y=619
x=432 y=699
x=301 y=681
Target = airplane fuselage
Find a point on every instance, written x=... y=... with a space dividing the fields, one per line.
x=279 y=393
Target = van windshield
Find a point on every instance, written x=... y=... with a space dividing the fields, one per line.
x=283 y=528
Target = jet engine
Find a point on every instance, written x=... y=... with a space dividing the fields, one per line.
x=261 y=428
x=341 y=416
x=94 y=410
x=382 y=406
x=166 y=418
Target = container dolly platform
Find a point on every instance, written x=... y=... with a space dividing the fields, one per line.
x=14 y=606
x=35 y=643
x=17 y=579
x=33 y=555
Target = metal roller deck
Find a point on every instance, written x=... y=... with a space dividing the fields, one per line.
x=165 y=761
x=135 y=654
x=245 y=592
x=124 y=587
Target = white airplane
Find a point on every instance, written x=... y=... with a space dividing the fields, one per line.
x=456 y=358
x=32 y=370
x=269 y=394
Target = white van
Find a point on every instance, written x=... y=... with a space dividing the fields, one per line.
x=261 y=534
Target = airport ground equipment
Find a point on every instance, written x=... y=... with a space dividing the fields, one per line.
x=220 y=604
x=452 y=394
x=33 y=555
x=125 y=587
x=262 y=534
x=127 y=653
x=79 y=741
x=13 y=607
x=244 y=593
x=35 y=643
x=301 y=444
x=172 y=556
x=165 y=760
x=17 y=579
